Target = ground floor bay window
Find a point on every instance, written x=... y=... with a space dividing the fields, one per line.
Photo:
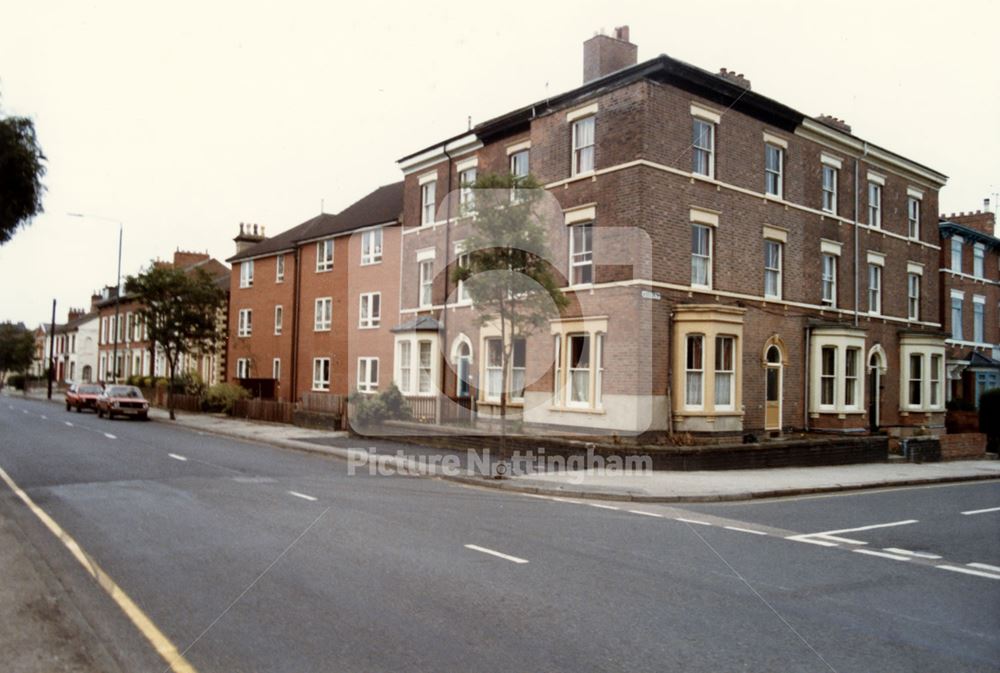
x=417 y=363
x=921 y=358
x=835 y=372
x=578 y=364
x=707 y=378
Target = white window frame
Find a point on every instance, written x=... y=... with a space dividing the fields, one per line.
x=913 y=296
x=852 y=382
x=279 y=268
x=957 y=305
x=371 y=246
x=584 y=149
x=697 y=255
x=874 y=204
x=581 y=260
x=276 y=369
x=368 y=316
x=404 y=355
x=425 y=270
x=428 y=202
x=462 y=259
x=775 y=174
x=367 y=383
x=575 y=368
x=515 y=159
x=323 y=314
x=720 y=370
x=874 y=288
x=692 y=368
x=913 y=217
x=828 y=280
x=245 y=323
x=773 y=271
x=425 y=366
x=243 y=368
x=466 y=193
x=702 y=145
x=829 y=192
x=246 y=273
x=978 y=260
x=279 y=318
x=324 y=261
x=978 y=318
x=828 y=377
x=956 y=253
x=321 y=375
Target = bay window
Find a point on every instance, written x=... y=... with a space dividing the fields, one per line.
x=424 y=380
x=694 y=371
x=725 y=369
x=404 y=349
x=828 y=377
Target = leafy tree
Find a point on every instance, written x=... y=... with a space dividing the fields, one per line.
x=17 y=349
x=508 y=276
x=21 y=171
x=181 y=311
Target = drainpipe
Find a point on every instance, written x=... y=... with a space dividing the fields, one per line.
x=857 y=237
x=805 y=379
x=293 y=383
x=444 y=311
x=670 y=379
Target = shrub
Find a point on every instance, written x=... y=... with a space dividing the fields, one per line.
x=16 y=381
x=989 y=418
x=222 y=397
x=372 y=410
x=192 y=384
x=959 y=404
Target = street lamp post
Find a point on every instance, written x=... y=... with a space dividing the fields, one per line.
x=118 y=289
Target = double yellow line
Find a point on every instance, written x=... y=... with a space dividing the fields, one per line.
x=166 y=649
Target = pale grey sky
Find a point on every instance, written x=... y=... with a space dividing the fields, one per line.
x=186 y=119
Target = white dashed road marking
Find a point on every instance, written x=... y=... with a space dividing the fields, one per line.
x=981 y=511
x=882 y=554
x=915 y=554
x=176 y=457
x=44 y=417
x=984 y=566
x=68 y=424
x=109 y=435
x=491 y=552
x=600 y=506
x=302 y=495
x=969 y=571
x=700 y=523
x=639 y=511
x=745 y=530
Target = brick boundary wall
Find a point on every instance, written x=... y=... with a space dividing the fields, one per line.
x=963 y=446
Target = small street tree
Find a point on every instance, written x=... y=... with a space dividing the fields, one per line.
x=17 y=345
x=181 y=311
x=508 y=275
x=21 y=171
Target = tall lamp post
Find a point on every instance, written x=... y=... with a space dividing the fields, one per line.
x=118 y=288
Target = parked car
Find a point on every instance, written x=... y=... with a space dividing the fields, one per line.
x=82 y=396
x=124 y=401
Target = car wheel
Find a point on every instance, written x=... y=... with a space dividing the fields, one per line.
x=67 y=406
x=144 y=417
x=79 y=409
x=100 y=414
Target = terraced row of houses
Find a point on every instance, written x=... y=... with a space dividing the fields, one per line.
x=732 y=265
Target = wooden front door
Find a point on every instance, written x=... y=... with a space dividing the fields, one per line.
x=772 y=392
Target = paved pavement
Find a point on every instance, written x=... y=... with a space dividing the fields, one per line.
x=249 y=558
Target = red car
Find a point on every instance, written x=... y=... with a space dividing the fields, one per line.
x=122 y=401
x=82 y=396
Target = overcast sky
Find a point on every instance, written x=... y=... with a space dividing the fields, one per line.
x=186 y=120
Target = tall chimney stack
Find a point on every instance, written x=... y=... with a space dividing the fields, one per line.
x=249 y=235
x=603 y=54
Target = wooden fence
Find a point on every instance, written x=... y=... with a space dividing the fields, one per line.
x=256 y=409
x=323 y=403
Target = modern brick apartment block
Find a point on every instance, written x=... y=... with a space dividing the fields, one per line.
x=308 y=306
x=127 y=340
x=733 y=265
x=970 y=303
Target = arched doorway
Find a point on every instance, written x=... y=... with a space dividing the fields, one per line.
x=772 y=387
x=876 y=370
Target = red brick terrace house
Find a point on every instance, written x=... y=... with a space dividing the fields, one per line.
x=970 y=302
x=310 y=307
x=136 y=354
x=733 y=264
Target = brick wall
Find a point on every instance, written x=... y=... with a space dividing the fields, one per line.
x=964 y=445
